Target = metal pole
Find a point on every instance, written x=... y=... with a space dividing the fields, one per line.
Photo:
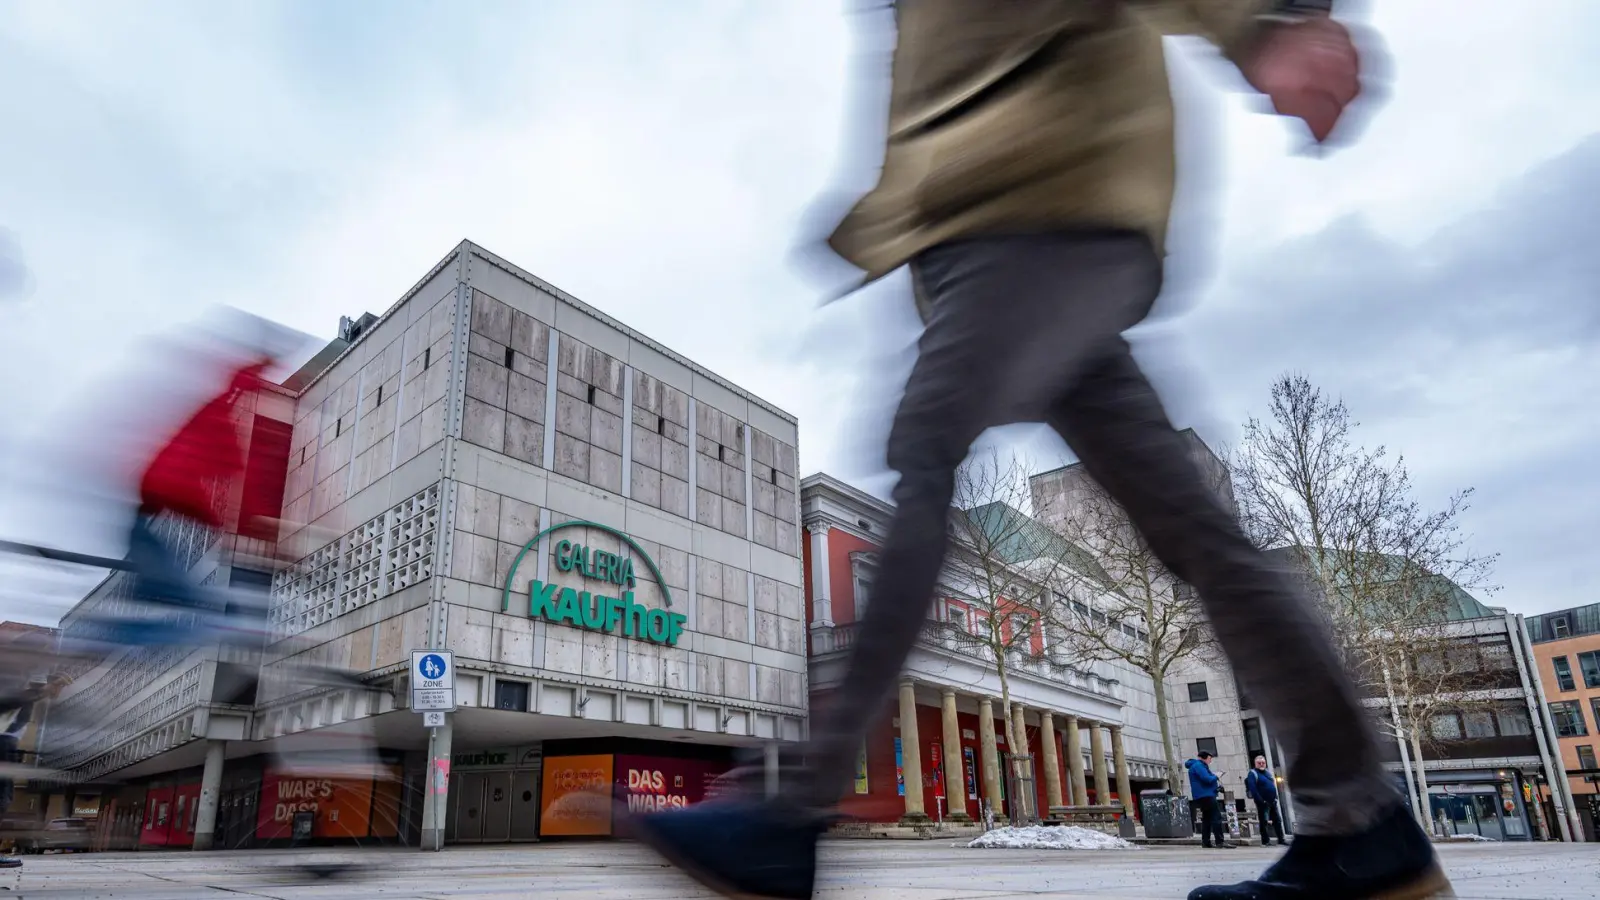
x=433 y=775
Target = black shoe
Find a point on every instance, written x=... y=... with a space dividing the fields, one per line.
x=9 y=862
x=1392 y=860
x=740 y=849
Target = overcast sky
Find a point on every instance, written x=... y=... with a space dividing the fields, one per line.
x=664 y=162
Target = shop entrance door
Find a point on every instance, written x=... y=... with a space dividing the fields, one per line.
x=467 y=804
x=1488 y=815
x=525 y=805
x=497 y=807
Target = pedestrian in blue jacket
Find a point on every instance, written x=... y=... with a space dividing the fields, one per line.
x=1203 y=786
x=1263 y=789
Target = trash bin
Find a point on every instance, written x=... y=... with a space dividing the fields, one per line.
x=1165 y=815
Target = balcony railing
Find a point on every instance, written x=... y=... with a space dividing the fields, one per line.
x=949 y=637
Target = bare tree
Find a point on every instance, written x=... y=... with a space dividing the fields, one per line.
x=998 y=575
x=1124 y=605
x=1385 y=571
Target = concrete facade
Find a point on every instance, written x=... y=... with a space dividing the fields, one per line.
x=428 y=455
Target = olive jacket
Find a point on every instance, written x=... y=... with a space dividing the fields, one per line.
x=1028 y=115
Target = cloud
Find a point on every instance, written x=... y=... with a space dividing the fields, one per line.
x=16 y=282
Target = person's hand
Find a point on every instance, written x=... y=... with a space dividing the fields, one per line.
x=1309 y=70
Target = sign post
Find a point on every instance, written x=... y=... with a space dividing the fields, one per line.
x=433 y=694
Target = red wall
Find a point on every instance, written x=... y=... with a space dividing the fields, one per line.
x=842 y=589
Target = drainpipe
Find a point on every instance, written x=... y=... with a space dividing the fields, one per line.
x=1543 y=728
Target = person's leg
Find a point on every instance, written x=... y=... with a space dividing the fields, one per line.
x=9 y=757
x=1264 y=822
x=1010 y=323
x=1356 y=838
x=1119 y=430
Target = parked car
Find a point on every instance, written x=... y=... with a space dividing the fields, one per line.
x=61 y=834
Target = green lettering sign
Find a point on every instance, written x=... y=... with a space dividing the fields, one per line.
x=610 y=610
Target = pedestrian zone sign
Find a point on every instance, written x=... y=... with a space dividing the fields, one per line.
x=433 y=681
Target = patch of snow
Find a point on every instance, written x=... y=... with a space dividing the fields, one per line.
x=1470 y=837
x=1050 y=837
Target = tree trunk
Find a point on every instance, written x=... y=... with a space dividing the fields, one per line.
x=1019 y=807
x=1175 y=778
x=1422 y=779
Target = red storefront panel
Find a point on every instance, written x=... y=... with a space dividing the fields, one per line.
x=654 y=782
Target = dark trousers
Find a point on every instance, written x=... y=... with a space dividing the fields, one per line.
x=9 y=756
x=1267 y=812
x=1210 y=821
x=1029 y=328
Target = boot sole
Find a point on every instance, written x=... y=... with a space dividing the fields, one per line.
x=634 y=826
x=1430 y=885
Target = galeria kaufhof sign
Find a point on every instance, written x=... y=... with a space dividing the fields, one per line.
x=608 y=606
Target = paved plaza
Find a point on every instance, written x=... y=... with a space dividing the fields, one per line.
x=880 y=870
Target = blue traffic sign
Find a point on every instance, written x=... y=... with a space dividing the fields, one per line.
x=432 y=666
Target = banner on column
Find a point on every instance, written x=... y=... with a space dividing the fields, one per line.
x=936 y=761
x=970 y=765
x=861 y=769
x=899 y=770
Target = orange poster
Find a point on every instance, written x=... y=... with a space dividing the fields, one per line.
x=575 y=800
x=343 y=808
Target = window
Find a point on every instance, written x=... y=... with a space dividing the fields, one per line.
x=661 y=424
x=512 y=695
x=772 y=475
x=722 y=453
x=1513 y=721
x=1589 y=664
x=511 y=357
x=427 y=357
x=1445 y=727
x=1560 y=627
x=591 y=395
x=380 y=395
x=1586 y=756
x=338 y=429
x=956 y=614
x=1594 y=707
x=1496 y=650
x=1568 y=716
x=1480 y=723
x=1198 y=692
x=1205 y=745
x=1563 y=674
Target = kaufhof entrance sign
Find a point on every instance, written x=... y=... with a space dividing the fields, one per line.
x=607 y=606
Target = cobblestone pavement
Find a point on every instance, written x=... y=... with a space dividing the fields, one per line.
x=875 y=870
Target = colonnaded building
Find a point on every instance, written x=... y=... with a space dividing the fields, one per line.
x=605 y=534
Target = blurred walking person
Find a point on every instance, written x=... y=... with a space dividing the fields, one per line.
x=1027 y=183
x=1263 y=789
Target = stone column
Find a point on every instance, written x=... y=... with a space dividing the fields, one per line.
x=1119 y=758
x=955 y=781
x=1080 y=791
x=991 y=758
x=911 y=755
x=1052 y=765
x=1097 y=754
x=205 y=819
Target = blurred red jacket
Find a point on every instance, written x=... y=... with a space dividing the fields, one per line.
x=206 y=454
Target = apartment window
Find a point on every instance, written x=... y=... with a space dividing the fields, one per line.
x=1568 y=716
x=1589 y=665
x=722 y=453
x=1198 y=692
x=1513 y=721
x=1496 y=650
x=1205 y=745
x=956 y=615
x=512 y=695
x=772 y=475
x=1563 y=674
x=338 y=429
x=1445 y=727
x=1480 y=724
x=1560 y=627
x=1586 y=756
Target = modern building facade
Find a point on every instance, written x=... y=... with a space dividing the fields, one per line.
x=1566 y=651
x=1487 y=756
x=603 y=533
